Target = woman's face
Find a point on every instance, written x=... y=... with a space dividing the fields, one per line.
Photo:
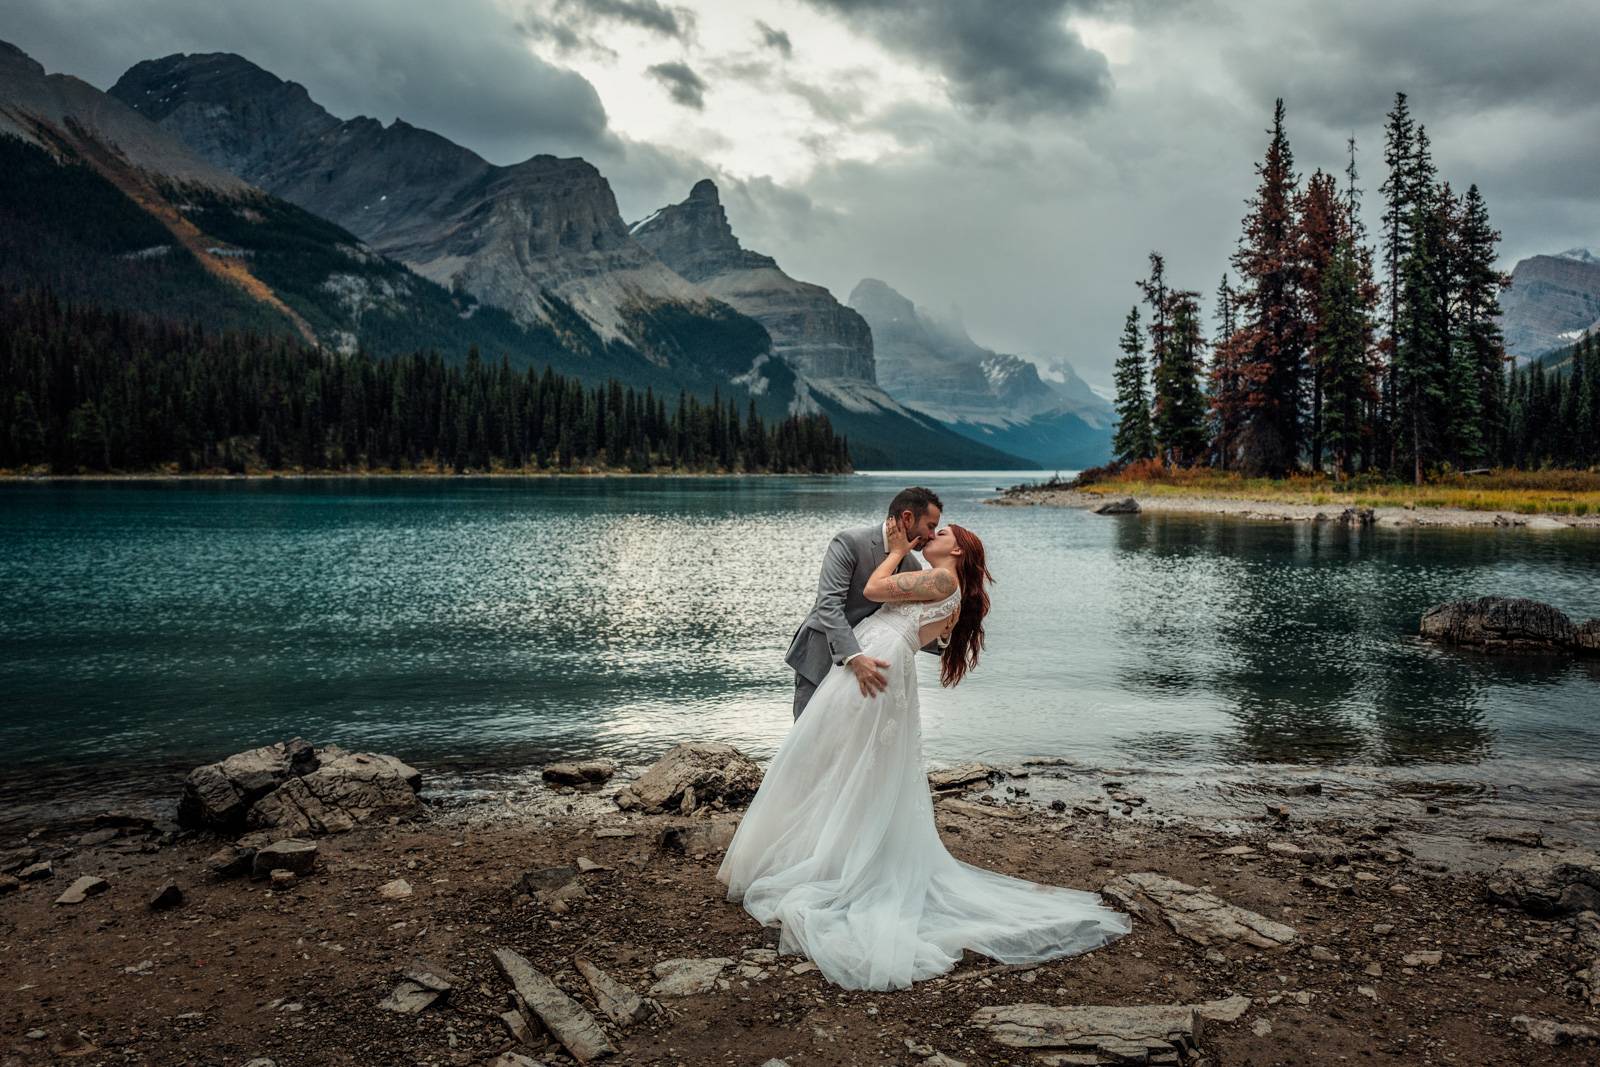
x=942 y=546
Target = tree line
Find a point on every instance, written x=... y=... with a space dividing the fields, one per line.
x=89 y=389
x=1331 y=354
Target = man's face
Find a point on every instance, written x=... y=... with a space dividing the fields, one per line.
x=919 y=531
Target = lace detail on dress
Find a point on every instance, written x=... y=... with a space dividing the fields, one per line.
x=906 y=617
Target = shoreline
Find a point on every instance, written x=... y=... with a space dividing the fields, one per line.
x=1398 y=955
x=1391 y=516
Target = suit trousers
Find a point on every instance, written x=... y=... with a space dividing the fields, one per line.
x=803 y=688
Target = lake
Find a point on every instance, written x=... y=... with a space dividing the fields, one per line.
x=484 y=626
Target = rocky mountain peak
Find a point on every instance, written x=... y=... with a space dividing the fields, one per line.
x=1582 y=255
x=695 y=239
x=1553 y=301
x=14 y=57
x=879 y=300
x=811 y=331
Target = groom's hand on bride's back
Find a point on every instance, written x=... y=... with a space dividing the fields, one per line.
x=868 y=676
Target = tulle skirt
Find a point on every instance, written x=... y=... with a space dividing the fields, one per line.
x=839 y=847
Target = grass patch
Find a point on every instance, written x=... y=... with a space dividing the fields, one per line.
x=1557 y=492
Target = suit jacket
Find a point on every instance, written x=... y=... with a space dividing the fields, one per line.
x=825 y=638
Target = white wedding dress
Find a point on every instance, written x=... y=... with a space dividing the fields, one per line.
x=839 y=844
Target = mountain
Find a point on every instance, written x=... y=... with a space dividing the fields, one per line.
x=828 y=346
x=535 y=238
x=100 y=205
x=933 y=365
x=1553 y=300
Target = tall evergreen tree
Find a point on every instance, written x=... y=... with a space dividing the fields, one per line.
x=1180 y=404
x=1225 y=392
x=1479 y=346
x=1271 y=309
x=1132 y=439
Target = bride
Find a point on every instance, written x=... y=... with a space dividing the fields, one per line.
x=839 y=844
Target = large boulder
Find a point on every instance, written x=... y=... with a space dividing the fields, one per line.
x=292 y=788
x=694 y=775
x=1500 y=624
x=1561 y=881
x=1586 y=637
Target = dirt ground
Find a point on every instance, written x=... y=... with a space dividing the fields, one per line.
x=240 y=971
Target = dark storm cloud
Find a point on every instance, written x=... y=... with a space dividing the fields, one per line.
x=646 y=14
x=1017 y=57
x=575 y=25
x=772 y=37
x=683 y=84
x=456 y=71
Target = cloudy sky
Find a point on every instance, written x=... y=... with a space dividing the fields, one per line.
x=1011 y=161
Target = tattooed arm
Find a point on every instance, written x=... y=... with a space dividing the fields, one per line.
x=885 y=585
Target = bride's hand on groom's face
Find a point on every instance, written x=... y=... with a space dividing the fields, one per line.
x=897 y=538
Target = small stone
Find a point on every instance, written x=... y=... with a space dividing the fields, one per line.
x=585 y=772
x=35 y=872
x=1383 y=929
x=805 y=967
x=1553 y=1032
x=1422 y=959
x=84 y=887
x=1367 y=991
x=1322 y=955
x=282 y=879
x=687 y=977
x=36 y=1035
x=585 y=864
x=1237 y=850
x=1261 y=1028
x=169 y=895
x=1375 y=970
x=1285 y=848
x=290 y=854
x=398 y=889
x=615 y=831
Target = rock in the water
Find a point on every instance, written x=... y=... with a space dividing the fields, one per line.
x=1500 y=624
x=1141 y=1034
x=1196 y=915
x=688 y=977
x=965 y=774
x=169 y=895
x=584 y=772
x=1126 y=506
x=1357 y=517
x=290 y=854
x=620 y=1003
x=564 y=1017
x=1552 y=1031
x=1586 y=637
x=692 y=775
x=295 y=788
x=82 y=889
x=1559 y=881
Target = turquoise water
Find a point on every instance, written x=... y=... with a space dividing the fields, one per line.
x=477 y=624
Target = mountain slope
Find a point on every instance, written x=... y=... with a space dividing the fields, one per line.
x=828 y=346
x=99 y=205
x=1553 y=301
x=1001 y=400
x=529 y=238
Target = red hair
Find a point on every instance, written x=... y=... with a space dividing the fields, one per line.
x=966 y=639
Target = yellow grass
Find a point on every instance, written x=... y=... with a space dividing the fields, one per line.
x=1559 y=492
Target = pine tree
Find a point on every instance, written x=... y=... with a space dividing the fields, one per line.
x=1320 y=228
x=1132 y=440
x=1399 y=190
x=1225 y=388
x=1479 y=345
x=1271 y=309
x=1180 y=405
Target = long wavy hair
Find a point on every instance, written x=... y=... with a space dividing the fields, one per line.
x=966 y=639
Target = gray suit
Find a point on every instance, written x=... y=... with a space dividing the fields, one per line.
x=825 y=638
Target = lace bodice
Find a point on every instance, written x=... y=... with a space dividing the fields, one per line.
x=909 y=616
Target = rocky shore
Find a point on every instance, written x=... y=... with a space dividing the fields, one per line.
x=302 y=905
x=1278 y=511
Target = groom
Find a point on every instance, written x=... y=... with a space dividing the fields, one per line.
x=826 y=638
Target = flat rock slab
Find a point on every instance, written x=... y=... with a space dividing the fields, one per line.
x=1553 y=1031
x=1196 y=915
x=1554 y=881
x=567 y=1020
x=290 y=854
x=688 y=977
x=1126 y=506
x=82 y=889
x=965 y=774
x=1137 y=1034
x=966 y=807
x=620 y=1003
x=346 y=789
x=692 y=775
